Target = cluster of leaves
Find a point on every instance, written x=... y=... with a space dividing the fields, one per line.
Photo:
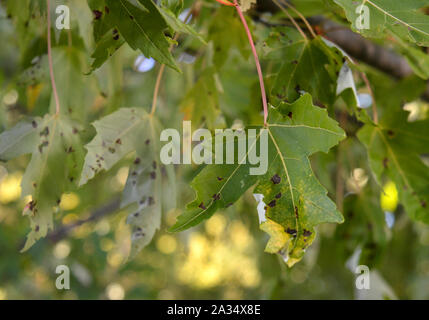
x=311 y=82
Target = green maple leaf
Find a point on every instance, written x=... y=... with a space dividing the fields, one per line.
x=295 y=201
x=310 y=66
x=54 y=167
x=402 y=18
x=145 y=31
x=394 y=148
x=75 y=92
x=395 y=145
x=203 y=93
x=109 y=43
x=226 y=32
x=142 y=28
x=127 y=131
x=178 y=26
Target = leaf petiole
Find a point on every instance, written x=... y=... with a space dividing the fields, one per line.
x=258 y=65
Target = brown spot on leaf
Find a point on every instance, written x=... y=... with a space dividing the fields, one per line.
x=276 y=179
x=279 y=195
x=291 y=231
x=219 y=178
x=137 y=161
x=216 y=196
x=112 y=150
x=153 y=175
x=32 y=205
x=34 y=124
x=202 y=206
x=42 y=145
x=385 y=163
x=45 y=132
x=290 y=114
x=97 y=14
x=272 y=204
x=151 y=201
x=307 y=233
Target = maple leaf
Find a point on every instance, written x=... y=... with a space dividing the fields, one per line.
x=295 y=200
x=124 y=132
x=56 y=154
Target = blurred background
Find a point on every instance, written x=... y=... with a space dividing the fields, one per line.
x=224 y=257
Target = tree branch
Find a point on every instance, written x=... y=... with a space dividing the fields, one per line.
x=355 y=45
x=96 y=215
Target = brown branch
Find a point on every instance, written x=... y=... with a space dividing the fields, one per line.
x=355 y=45
x=96 y=215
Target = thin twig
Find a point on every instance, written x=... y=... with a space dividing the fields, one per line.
x=291 y=19
x=339 y=190
x=51 y=67
x=96 y=215
x=162 y=68
x=374 y=105
x=258 y=65
x=156 y=91
x=310 y=28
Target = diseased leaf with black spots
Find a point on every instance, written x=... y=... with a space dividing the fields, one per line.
x=56 y=158
x=304 y=66
x=143 y=28
x=295 y=199
x=131 y=131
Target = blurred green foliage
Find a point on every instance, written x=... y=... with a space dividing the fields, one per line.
x=223 y=258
